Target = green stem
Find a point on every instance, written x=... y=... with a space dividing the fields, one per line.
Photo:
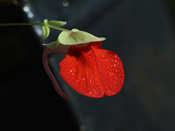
x=20 y=24
x=27 y=24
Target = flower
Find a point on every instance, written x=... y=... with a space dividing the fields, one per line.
x=89 y=70
x=92 y=71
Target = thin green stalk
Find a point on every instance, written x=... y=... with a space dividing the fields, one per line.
x=20 y=24
x=27 y=24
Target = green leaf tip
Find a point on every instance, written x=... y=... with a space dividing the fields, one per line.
x=52 y=45
x=76 y=36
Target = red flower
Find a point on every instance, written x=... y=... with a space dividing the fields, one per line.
x=92 y=71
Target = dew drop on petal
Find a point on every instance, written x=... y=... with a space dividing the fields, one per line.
x=90 y=81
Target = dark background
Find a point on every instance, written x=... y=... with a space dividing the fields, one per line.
x=141 y=32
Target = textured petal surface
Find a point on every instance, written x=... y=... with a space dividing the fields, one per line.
x=92 y=71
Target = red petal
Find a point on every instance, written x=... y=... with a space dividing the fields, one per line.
x=92 y=71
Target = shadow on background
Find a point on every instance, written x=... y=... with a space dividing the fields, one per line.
x=141 y=32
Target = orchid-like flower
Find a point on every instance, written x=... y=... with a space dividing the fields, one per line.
x=89 y=70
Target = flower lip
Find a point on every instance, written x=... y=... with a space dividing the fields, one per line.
x=92 y=71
